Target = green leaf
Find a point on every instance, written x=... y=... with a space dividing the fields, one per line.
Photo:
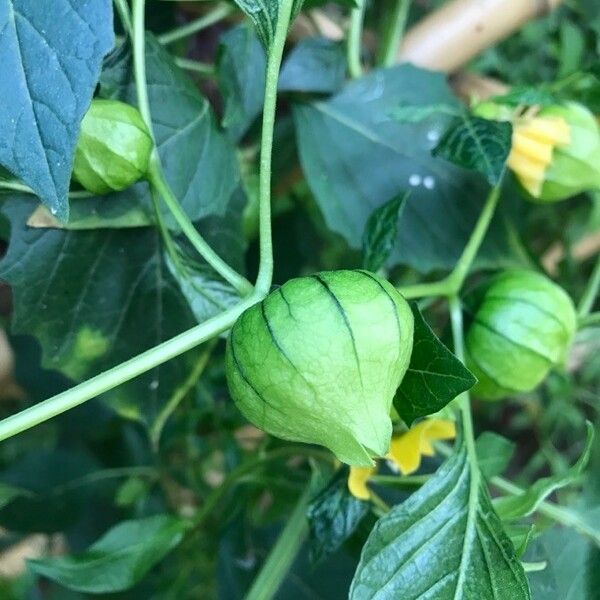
x=241 y=73
x=315 y=65
x=477 y=144
x=119 y=559
x=333 y=517
x=434 y=377
x=51 y=59
x=494 y=453
x=381 y=233
x=415 y=113
x=444 y=542
x=9 y=492
x=356 y=156
x=94 y=299
x=528 y=96
x=264 y=14
x=199 y=161
x=515 y=507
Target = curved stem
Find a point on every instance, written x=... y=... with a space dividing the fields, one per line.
x=210 y=18
x=275 y=53
x=157 y=180
x=589 y=296
x=124 y=372
x=354 y=43
x=452 y=284
x=155 y=173
x=394 y=32
x=15 y=186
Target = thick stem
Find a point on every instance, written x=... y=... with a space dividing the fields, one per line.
x=275 y=54
x=354 y=42
x=210 y=18
x=126 y=371
x=394 y=32
x=155 y=173
x=589 y=296
x=283 y=553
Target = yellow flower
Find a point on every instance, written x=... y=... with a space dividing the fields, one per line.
x=533 y=142
x=406 y=450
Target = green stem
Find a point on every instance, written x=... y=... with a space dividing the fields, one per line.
x=451 y=285
x=283 y=553
x=214 y=16
x=157 y=180
x=560 y=515
x=180 y=393
x=275 y=54
x=15 y=186
x=354 y=43
x=195 y=66
x=590 y=320
x=124 y=372
x=396 y=24
x=155 y=173
x=408 y=481
x=124 y=14
x=589 y=296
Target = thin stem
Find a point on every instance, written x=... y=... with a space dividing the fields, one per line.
x=451 y=285
x=589 y=296
x=394 y=32
x=126 y=371
x=155 y=173
x=157 y=180
x=408 y=481
x=560 y=515
x=589 y=320
x=214 y=16
x=15 y=186
x=180 y=393
x=283 y=553
x=124 y=14
x=195 y=66
x=354 y=43
x=275 y=53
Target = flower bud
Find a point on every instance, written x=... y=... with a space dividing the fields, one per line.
x=319 y=361
x=113 y=149
x=556 y=153
x=523 y=324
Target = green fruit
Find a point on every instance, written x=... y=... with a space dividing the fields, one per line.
x=319 y=361
x=113 y=149
x=575 y=168
x=523 y=324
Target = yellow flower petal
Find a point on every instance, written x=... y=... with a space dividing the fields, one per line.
x=533 y=143
x=357 y=481
x=407 y=448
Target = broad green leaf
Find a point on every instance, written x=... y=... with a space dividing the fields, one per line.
x=415 y=113
x=528 y=96
x=356 y=156
x=94 y=299
x=333 y=516
x=477 y=144
x=119 y=559
x=444 y=542
x=199 y=161
x=44 y=502
x=241 y=69
x=51 y=56
x=315 y=65
x=264 y=15
x=515 y=507
x=381 y=233
x=494 y=453
x=434 y=377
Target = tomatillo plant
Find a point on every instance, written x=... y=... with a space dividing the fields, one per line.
x=293 y=275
